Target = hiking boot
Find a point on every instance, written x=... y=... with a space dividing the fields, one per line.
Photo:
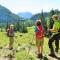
x=11 y=48
x=56 y=50
x=53 y=55
x=40 y=56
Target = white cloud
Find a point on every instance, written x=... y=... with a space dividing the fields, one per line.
x=33 y=6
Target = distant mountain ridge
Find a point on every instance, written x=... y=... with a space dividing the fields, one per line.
x=7 y=16
x=25 y=15
x=38 y=16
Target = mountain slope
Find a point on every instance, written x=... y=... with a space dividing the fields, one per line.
x=7 y=16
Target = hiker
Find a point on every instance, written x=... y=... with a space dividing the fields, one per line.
x=39 y=32
x=50 y=23
x=55 y=36
x=10 y=34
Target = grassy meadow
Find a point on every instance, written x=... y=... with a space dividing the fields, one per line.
x=25 y=41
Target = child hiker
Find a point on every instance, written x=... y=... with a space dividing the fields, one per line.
x=10 y=34
x=39 y=32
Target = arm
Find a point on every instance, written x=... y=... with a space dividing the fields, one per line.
x=53 y=29
x=36 y=30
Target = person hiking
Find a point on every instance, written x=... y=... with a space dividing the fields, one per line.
x=55 y=36
x=50 y=24
x=39 y=33
x=10 y=34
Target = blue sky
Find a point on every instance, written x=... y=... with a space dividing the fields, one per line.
x=34 y=6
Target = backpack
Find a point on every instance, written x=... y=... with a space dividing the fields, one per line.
x=59 y=27
x=40 y=32
x=10 y=32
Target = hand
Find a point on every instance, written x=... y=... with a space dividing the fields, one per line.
x=48 y=29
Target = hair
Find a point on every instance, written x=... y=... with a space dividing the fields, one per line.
x=55 y=16
x=38 y=22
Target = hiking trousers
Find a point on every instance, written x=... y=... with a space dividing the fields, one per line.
x=53 y=38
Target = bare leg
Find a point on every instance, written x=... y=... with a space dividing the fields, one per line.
x=41 y=49
x=38 y=49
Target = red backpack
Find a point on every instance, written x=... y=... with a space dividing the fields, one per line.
x=10 y=32
x=40 y=33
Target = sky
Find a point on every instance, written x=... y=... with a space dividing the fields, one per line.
x=33 y=6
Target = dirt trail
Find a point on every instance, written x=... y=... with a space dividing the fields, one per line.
x=6 y=54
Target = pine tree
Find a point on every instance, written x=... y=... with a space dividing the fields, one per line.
x=24 y=27
x=7 y=25
x=52 y=12
x=18 y=26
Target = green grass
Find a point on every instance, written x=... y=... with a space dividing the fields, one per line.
x=25 y=39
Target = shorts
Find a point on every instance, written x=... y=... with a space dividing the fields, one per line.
x=11 y=40
x=40 y=42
